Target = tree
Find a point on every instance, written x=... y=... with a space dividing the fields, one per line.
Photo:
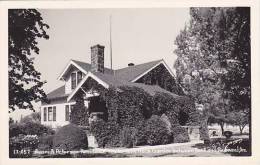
x=25 y=26
x=241 y=119
x=213 y=64
x=11 y=120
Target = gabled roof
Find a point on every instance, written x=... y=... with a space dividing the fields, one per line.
x=131 y=72
x=126 y=74
x=116 y=78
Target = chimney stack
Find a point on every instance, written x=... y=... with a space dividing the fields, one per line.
x=131 y=64
x=97 y=58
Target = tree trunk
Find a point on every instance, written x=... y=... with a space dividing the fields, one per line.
x=240 y=129
x=222 y=127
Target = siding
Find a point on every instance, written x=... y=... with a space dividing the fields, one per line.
x=60 y=115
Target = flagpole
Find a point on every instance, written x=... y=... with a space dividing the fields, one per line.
x=110 y=41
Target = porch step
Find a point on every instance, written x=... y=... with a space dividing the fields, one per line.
x=92 y=142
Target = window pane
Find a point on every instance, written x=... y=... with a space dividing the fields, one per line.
x=73 y=80
x=45 y=114
x=54 y=113
x=79 y=77
x=49 y=113
x=67 y=113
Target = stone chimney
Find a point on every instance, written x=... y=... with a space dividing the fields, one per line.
x=97 y=58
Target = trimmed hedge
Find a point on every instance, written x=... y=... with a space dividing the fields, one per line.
x=180 y=134
x=70 y=137
x=157 y=131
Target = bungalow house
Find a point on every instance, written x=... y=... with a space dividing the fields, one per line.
x=154 y=76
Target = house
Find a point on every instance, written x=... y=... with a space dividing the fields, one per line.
x=154 y=76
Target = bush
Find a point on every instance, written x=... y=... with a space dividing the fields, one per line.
x=24 y=144
x=179 y=109
x=45 y=142
x=106 y=133
x=32 y=128
x=180 y=134
x=70 y=137
x=228 y=134
x=15 y=130
x=157 y=132
x=29 y=128
x=139 y=133
x=126 y=137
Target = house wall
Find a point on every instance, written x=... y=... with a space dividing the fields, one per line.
x=68 y=84
x=60 y=115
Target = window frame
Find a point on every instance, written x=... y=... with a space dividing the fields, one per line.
x=73 y=81
x=77 y=78
x=50 y=114
x=54 y=113
x=45 y=114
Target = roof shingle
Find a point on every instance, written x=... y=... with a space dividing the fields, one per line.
x=57 y=93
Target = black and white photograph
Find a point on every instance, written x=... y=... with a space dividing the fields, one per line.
x=129 y=82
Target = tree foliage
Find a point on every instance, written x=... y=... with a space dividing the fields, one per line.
x=25 y=26
x=213 y=63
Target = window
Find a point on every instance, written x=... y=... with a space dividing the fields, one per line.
x=73 y=80
x=67 y=112
x=54 y=113
x=50 y=115
x=44 y=114
x=79 y=77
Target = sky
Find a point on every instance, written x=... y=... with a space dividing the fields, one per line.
x=138 y=36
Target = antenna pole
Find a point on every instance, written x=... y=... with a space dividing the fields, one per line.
x=110 y=41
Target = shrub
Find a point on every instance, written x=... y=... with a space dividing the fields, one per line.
x=139 y=133
x=179 y=110
x=15 y=130
x=46 y=142
x=106 y=133
x=70 y=137
x=126 y=137
x=29 y=128
x=228 y=134
x=24 y=144
x=180 y=134
x=157 y=132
